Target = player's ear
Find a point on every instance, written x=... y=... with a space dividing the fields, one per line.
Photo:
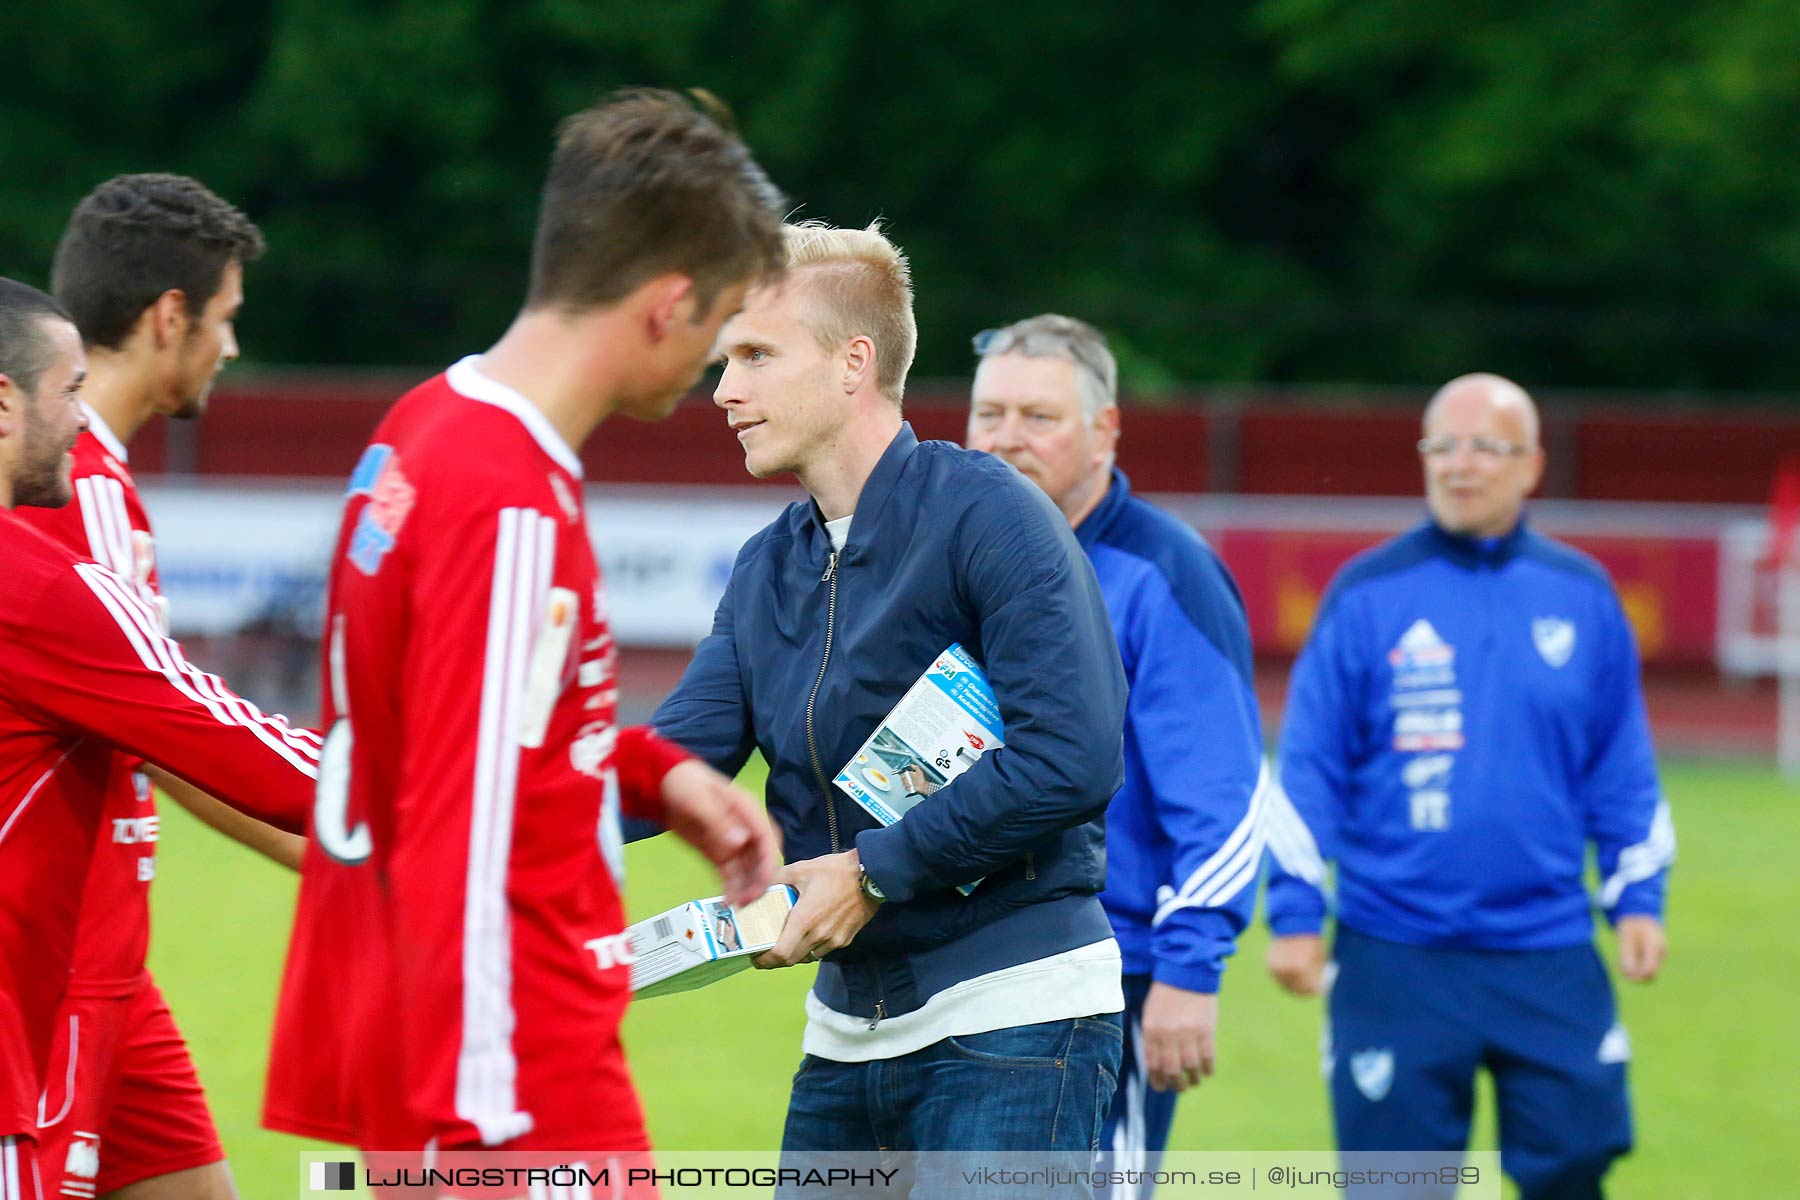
x=1107 y=421
x=669 y=300
x=12 y=405
x=168 y=317
x=1106 y=429
x=1537 y=470
x=859 y=362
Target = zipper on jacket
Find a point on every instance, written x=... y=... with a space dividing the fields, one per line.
x=880 y=1001
x=1031 y=865
x=812 y=745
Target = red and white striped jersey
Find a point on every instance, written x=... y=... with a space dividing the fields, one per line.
x=455 y=970
x=106 y=521
x=92 y=678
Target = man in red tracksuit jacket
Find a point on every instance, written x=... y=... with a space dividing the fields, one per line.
x=151 y=268
x=456 y=979
x=90 y=679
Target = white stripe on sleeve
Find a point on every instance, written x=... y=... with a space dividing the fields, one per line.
x=143 y=629
x=208 y=690
x=1230 y=868
x=109 y=499
x=1642 y=860
x=1293 y=843
x=90 y=519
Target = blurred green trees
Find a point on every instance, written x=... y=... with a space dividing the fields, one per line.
x=1582 y=192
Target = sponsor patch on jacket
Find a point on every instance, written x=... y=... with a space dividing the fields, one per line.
x=1427 y=703
x=391 y=498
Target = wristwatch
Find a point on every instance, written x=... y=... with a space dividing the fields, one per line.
x=869 y=886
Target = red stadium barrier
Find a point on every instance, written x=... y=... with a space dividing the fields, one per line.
x=1699 y=457
x=1249 y=443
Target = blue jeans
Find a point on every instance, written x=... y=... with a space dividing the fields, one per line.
x=1038 y=1088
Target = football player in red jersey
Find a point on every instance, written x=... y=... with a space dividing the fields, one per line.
x=93 y=685
x=151 y=267
x=456 y=978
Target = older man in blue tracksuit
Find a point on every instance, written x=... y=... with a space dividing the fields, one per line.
x=939 y=1021
x=1464 y=720
x=1183 y=836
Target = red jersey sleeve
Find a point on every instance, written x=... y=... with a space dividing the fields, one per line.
x=95 y=660
x=644 y=758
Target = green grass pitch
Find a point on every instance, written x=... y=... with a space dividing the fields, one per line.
x=1716 y=1040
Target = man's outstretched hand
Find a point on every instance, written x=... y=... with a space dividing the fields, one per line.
x=725 y=823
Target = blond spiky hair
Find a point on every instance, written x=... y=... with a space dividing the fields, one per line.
x=858 y=283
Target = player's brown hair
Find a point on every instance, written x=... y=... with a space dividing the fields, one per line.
x=26 y=350
x=648 y=183
x=137 y=236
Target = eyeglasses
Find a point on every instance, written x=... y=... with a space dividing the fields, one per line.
x=1479 y=446
x=1040 y=344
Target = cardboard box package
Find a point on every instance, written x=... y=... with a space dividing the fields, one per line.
x=701 y=941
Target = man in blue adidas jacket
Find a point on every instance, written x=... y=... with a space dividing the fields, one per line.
x=938 y=1020
x=1464 y=720
x=1183 y=837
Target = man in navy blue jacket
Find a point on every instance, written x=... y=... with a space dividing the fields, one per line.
x=939 y=1020
x=1183 y=837
x=1465 y=718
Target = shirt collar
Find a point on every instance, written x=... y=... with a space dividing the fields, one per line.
x=466 y=378
x=1476 y=550
x=103 y=432
x=1096 y=523
x=875 y=490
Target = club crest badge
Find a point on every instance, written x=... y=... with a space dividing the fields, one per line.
x=1373 y=1073
x=1555 y=639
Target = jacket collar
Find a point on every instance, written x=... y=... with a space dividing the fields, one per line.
x=869 y=502
x=1479 y=551
x=1095 y=525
